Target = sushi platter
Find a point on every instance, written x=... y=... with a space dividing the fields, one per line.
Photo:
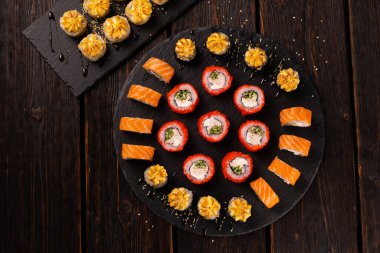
x=219 y=131
x=55 y=37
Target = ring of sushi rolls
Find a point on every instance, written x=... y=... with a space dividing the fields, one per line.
x=216 y=80
x=254 y=135
x=156 y=176
x=173 y=136
x=183 y=98
x=213 y=126
x=249 y=99
x=199 y=168
x=237 y=167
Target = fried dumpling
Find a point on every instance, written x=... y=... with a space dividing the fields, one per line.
x=73 y=23
x=116 y=29
x=139 y=11
x=93 y=47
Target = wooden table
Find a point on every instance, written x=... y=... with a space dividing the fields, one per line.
x=60 y=186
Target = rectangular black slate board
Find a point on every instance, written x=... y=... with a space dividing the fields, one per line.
x=70 y=69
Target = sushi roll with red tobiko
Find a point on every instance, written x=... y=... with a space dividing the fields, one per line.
x=199 y=169
x=237 y=167
x=213 y=126
x=216 y=80
x=254 y=135
x=183 y=98
x=173 y=136
x=249 y=99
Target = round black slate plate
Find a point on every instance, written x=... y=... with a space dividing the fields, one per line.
x=306 y=96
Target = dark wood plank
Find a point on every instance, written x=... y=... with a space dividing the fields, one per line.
x=364 y=30
x=40 y=208
x=208 y=13
x=116 y=220
x=326 y=218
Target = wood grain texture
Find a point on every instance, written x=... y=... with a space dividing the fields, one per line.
x=116 y=220
x=40 y=208
x=365 y=54
x=206 y=13
x=326 y=218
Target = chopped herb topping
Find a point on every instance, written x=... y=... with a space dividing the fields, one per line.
x=238 y=170
x=256 y=130
x=214 y=75
x=169 y=133
x=250 y=94
x=200 y=164
x=183 y=95
x=216 y=130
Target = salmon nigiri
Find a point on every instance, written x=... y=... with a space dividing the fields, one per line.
x=294 y=144
x=264 y=192
x=144 y=95
x=137 y=152
x=137 y=125
x=161 y=69
x=295 y=116
x=284 y=171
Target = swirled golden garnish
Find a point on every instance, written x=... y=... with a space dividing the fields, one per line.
x=96 y=8
x=239 y=209
x=255 y=57
x=139 y=11
x=218 y=43
x=73 y=23
x=93 y=47
x=156 y=175
x=208 y=207
x=180 y=198
x=116 y=29
x=185 y=49
x=288 y=79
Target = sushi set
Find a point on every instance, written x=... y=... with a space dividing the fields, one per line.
x=84 y=40
x=219 y=131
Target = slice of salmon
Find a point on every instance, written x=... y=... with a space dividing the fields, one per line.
x=283 y=170
x=294 y=144
x=137 y=125
x=264 y=192
x=139 y=152
x=161 y=69
x=296 y=116
x=144 y=95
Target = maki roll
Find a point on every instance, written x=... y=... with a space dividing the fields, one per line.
x=183 y=98
x=199 y=169
x=173 y=136
x=213 y=126
x=288 y=79
x=239 y=209
x=93 y=47
x=218 y=43
x=139 y=11
x=180 y=198
x=208 y=207
x=116 y=29
x=73 y=23
x=254 y=135
x=249 y=99
x=156 y=176
x=185 y=49
x=237 y=167
x=216 y=80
